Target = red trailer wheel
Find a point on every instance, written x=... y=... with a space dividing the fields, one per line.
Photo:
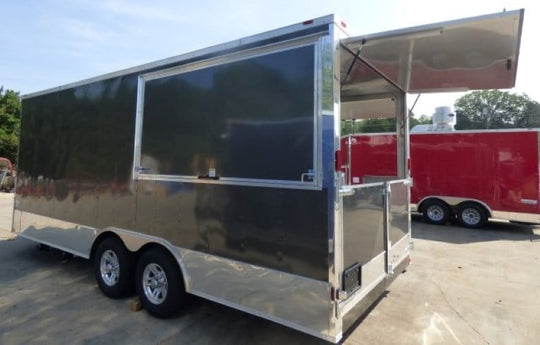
x=471 y=215
x=436 y=211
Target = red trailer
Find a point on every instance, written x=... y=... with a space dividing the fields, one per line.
x=7 y=175
x=470 y=175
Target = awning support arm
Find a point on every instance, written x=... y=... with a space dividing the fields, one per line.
x=353 y=62
x=357 y=57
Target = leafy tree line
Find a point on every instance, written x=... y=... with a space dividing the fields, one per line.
x=493 y=109
x=379 y=125
x=486 y=109
x=10 y=119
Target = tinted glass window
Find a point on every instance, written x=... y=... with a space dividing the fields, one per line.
x=246 y=119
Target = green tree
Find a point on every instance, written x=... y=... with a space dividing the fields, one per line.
x=379 y=125
x=10 y=119
x=422 y=120
x=492 y=109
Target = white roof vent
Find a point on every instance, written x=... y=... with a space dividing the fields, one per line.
x=444 y=120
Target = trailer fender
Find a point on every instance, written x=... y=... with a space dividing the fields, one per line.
x=454 y=201
x=135 y=242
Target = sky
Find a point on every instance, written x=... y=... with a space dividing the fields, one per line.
x=49 y=43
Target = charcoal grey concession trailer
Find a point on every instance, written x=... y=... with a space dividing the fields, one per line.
x=215 y=172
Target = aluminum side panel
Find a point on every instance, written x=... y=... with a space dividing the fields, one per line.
x=533 y=218
x=363 y=225
x=398 y=214
x=69 y=237
x=399 y=222
x=292 y=300
x=370 y=297
x=376 y=232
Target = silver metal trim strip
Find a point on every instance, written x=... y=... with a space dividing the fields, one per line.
x=376 y=184
x=386 y=229
x=365 y=185
x=138 y=127
x=317 y=107
x=67 y=236
x=230 y=181
x=517 y=216
x=54 y=245
x=233 y=57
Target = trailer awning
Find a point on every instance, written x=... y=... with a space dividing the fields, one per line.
x=466 y=54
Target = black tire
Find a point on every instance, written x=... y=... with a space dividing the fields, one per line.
x=471 y=215
x=436 y=212
x=114 y=268
x=160 y=285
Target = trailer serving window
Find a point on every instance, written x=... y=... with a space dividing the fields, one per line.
x=250 y=119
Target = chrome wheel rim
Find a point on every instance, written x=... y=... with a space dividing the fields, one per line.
x=435 y=213
x=155 y=284
x=471 y=216
x=109 y=268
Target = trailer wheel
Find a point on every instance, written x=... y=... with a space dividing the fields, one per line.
x=114 y=266
x=436 y=212
x=160 y=285
x=471 y=215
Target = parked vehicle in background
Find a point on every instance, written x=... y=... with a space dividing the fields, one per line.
x=469 y=175
x=7 y=175
x=214 y=172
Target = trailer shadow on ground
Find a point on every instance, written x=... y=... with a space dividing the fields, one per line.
x=493 y=231
x=46 y=288
x=32 y=260
x=235 y=327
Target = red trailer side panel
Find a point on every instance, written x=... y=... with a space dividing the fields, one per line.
x=498 y=168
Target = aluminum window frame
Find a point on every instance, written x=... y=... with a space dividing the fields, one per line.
x=317 y=181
